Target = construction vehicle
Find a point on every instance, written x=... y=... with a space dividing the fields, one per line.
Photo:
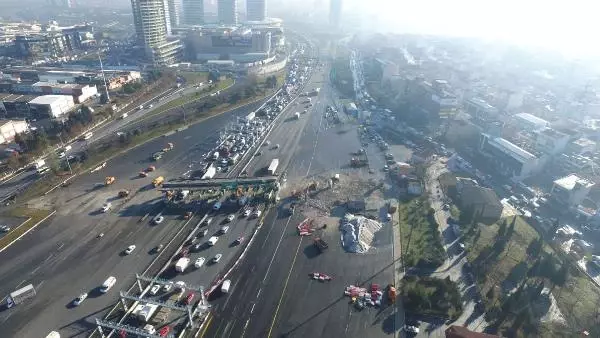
x=391 y=294
x=359 y=161
x=158 y=181
x=109 y=180
x=123 y=193
x=320 y=244
x=169 y=147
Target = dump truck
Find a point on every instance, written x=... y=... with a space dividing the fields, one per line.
x=123 y=193
x=321 y=244
x=182 y=264
x=158 y=181
x=169 y=147
x=109 y=180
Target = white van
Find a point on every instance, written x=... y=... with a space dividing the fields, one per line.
x=225 y=286
x=124 y=116
x=109 y=283
x=213 y=240
x=87 y=136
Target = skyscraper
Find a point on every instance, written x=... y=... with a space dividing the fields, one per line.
x=150 y=18
x=227 y=12
x=174 y=12
x=193 y=12
x=256 y=10
x=335 y=12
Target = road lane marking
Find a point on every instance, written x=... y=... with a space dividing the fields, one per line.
x=208 y=320
x=276 y=249
x=245 y=327
x=258 y=294
x=252 y=309
x=284 y=288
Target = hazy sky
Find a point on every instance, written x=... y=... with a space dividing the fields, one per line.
x=570 y=26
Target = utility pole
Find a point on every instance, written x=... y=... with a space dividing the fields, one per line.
x=62 y=144
x=104 y=78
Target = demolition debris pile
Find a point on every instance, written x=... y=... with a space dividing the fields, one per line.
x=358 y=232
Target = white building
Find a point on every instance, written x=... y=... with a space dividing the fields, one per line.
x=9 y=128
x=530 y=122
x=51 y=106
x=571 y=190
x=550 y=141
x=509 y=159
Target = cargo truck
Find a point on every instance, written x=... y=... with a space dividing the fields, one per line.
x=158 y=181
x=273 y=166
x=182 y=264
x=145 y=313
x=19 y=296
x=210 y=173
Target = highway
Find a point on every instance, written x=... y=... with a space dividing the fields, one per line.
x=63 y=257
x=272 y=294
x=20 y=181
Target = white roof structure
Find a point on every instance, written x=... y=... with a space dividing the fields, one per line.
x=569 y=182
x=532 y=119
x=511 y=149
x=49 y=99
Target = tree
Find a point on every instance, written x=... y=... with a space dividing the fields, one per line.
x=511 y=228
x=535 y=247
x=502 y=229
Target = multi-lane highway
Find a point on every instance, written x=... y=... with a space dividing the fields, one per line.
x=63 y=257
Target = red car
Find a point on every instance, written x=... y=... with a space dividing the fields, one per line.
x=164 y=331
x=189 y=298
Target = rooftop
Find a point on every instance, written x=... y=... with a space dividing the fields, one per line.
x=569 y=182
x=481 y=103
x=16 y=98
x=58 y=85
x=553 y=133
x=532 y=119
x=584 y=142
x=511 y=149
x=48 y=99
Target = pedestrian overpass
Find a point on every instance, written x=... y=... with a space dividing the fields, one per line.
x=268 y=182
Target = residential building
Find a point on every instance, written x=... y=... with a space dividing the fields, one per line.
x=479 y=108
x=193 y=12
x=152 y=25
x=335 y=12
x=582 y=146
x=550 y=141
x=51 y=106
x=10 y=128
x=571 y=190
x=389 y=69
x=15 y=105
x=433 y=99
x=574 y=163
x=509 y=159
x=530 y=122
x=256 y=10
x=227 y=12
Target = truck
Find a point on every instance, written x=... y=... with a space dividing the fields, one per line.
x=182 y=264
x=145 y=313
x=273 y=166
x=320 y=244
x=209 y=173
x=158 y=181
x=109 y=180
x=297 y=116
x=19 y=296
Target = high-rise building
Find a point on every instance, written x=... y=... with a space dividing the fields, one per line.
x=256 y=10
x=150 y=18
x=193 y=12
x=175 y=13
x=227 y=12
x=335 y=12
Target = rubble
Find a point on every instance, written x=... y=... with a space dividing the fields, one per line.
x=358 y=233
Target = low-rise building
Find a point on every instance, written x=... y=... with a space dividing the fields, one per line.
x=79 y=92
x=509 y=159
x=10 y=128
x=51 y=106
x=15 y=105
x=582 y=146
x=480 y=109
x=550 y=141
x=571 y=190
x=530 y=122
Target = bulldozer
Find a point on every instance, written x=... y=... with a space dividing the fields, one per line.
x=109 y=180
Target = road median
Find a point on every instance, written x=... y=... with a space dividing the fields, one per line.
x=34 y=218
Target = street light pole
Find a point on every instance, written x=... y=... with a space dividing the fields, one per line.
x=62 y=145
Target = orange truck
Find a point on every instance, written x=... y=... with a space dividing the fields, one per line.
x=158 y=181
x=109 y=180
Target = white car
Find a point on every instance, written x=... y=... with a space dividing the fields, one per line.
x=256 y=213
x=230 y=218
x=217 y=258
x=167 y=287
x=199 y=262
x=129 y=249
x=155 y=289
x=247 y=212
x=158 y=219
x=224 y=229
x=106 y=207
x=213 y=240
x=80 y=299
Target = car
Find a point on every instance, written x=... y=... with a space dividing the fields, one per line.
x=203 y=233
x=199 y=262
x=164 y=331
x=167 y=287
x=197 y=247
x=256 y=213
x=213 y=240
x=4 y=228
x=158 y=219
x=239 y=240
x=217 y=206
x=277 y=146
x=247 y=212
x=411 y=329
x=217 y=258
x=106 y=207
x=158 y=248
x=77 y=301
x=207 y=221
x=129 y=249
x=154 y=290
x=230 y=218
x=258 y=153
x=189 y=298
x=224 y=229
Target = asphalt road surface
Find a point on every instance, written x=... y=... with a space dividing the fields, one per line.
x=63 y=258
x=272 y=294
